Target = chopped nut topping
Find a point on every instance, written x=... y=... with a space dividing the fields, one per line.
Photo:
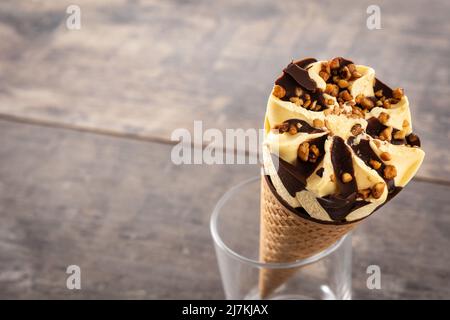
x=364 y=193
x=335 y=63
x=343 y=84
x=393 y=101
x=332 y=89
x=377 y=143
x=367 y=103
x=279 y=91
x=345 y=73
x=351 y=67
x=398 y=93
x=313 y=153
x=375 y=164
x=326 y=67
x=307 y=103
x=292 y=129
x=317 y=123
x=296 y=100
x=346 y=177
x=356 y=75
x=386 y=104
x=383 y=117
x=303 y=151
x=399 y=135
x=357 y=112
x=325 y=76
x=386 y=134
x=377 y=190
x=359 y=98
x=356 y=129
x=345 y=95
x=338 y=100
x=390 y=172
x=385 y=156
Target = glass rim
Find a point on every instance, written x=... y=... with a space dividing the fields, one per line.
x=256 y=263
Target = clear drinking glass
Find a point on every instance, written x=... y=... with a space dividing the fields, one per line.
x=235 y=230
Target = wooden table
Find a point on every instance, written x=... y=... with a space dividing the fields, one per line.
x=85 y=123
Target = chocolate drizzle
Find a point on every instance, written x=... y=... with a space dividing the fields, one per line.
x=341 y=158
x=317 y=95
x=299 y=211
x=320 y=172
x=305 y=62
x=374 y=127
x=294 y=176
x=393 y=191
x=295 y=75
x=345 y=62
x=364 y=151
x=339 y=205
x=387 y=91
x=339 y=208
x=397 y=141
x=413 y=140
x=301 y=76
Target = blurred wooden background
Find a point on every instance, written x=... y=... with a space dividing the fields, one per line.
x=86 y=117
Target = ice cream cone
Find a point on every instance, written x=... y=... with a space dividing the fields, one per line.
x=338 y=145
x=286 y=237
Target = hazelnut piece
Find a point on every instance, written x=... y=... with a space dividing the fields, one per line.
x=385 y=156
x=279 y=91
x=390 y=172
x=398 y=93
x=346 y=177
x=377 y=190
x=303 y=151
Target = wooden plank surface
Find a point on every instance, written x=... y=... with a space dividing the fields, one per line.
x=148 y=67
x=138 y=225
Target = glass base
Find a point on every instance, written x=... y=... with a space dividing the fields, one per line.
x=235 y=229
x=327 y=294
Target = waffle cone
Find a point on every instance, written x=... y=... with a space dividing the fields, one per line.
x=285 y=236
